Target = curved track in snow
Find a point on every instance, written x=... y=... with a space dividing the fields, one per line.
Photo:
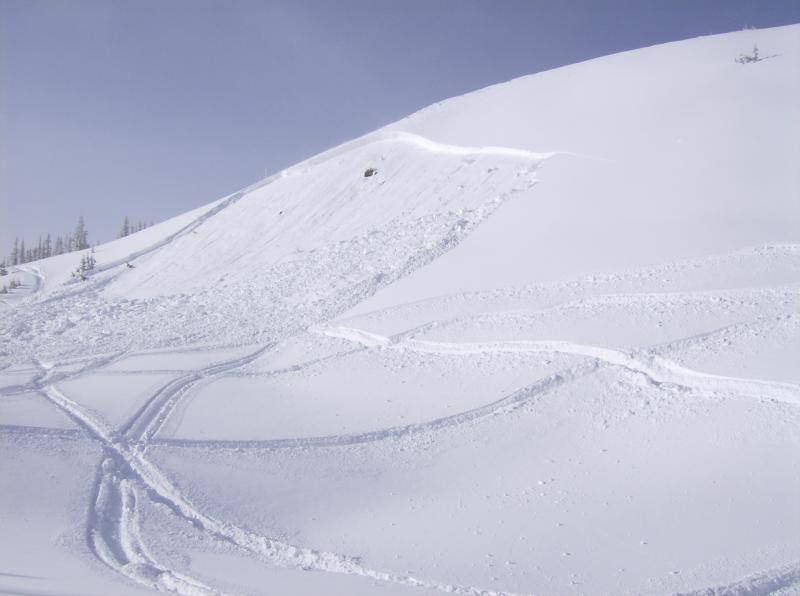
x=113 y=528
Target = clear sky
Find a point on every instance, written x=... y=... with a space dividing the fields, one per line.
x=148 y=108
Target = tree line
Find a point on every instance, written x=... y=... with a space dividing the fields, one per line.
x=77 y=239
x=129 y=227
x=48 y=246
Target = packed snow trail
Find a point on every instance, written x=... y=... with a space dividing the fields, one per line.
x=144 y=425
x=656 y=368
x=504 y=405
x=658 y=371
x=114 y=537
x=49 y=375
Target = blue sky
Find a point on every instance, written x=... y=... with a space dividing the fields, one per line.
x=148 y=108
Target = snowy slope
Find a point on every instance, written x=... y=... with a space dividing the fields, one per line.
x=674 y=151
x=551 y=347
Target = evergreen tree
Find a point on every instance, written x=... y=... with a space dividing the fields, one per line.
x=3 y=270
x=49 y=245
x=81 y=235
x=87 y=263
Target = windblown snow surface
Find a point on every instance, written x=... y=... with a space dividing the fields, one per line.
x=552 y=347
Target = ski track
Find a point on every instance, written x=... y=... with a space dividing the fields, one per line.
x=657 y=369
x=148 y=420
x=504 y=405
x=113 y=546
x=113 y=535
x=49 y=376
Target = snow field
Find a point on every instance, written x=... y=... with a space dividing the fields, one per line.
x=441 y=378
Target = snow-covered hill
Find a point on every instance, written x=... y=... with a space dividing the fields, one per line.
x=550 y=347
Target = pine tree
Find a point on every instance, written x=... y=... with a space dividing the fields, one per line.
x=126 y=228
x=87 y=263
x=15 y=252
x=3 y=270
x=81 y=235
x=59 y=246
x=21 y=257
x=48 y=247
